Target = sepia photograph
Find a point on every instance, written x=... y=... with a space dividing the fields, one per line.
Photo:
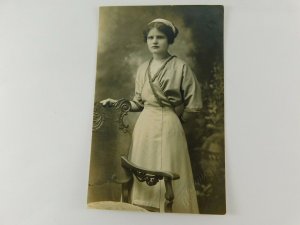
x=158 y=123
x=149 y=112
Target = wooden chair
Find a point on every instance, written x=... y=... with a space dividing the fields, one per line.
x=151 y=177
x=123 y=172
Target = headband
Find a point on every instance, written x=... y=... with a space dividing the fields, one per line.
x=166 y=22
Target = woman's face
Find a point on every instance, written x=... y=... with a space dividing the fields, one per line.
x=157 y=42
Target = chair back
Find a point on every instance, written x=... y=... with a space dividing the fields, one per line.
x=110 y=140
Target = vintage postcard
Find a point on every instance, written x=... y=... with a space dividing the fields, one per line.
x=158 y=128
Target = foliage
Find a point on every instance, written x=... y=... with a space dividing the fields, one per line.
x=207 y=145
x=214 y=100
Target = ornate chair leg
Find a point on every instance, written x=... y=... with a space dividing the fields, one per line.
x=126 y=191
x=169 y=195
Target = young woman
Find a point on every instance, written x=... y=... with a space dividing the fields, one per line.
x=166 y=91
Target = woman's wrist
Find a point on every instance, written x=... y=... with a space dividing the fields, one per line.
x=134 y=107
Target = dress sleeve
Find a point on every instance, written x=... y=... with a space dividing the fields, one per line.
x=137 y=103
x=191 y=91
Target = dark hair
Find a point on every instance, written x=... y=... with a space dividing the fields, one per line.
x=167 y=30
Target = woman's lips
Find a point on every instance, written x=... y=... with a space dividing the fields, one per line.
x=155 y=46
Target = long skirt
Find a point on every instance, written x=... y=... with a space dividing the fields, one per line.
x=159 y=143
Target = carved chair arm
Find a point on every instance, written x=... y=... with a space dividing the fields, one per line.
x=151 y=177
x=161 y=174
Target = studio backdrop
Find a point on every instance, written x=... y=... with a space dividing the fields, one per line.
x=123 y=57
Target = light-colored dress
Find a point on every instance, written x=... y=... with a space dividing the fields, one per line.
x=158 y=140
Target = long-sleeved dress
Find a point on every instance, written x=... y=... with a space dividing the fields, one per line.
x=158 y=140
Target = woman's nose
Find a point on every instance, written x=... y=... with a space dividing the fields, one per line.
x=155 y=40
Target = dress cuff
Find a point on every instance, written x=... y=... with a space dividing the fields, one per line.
x=135 y=106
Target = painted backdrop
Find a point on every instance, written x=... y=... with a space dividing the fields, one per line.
x=121 y=50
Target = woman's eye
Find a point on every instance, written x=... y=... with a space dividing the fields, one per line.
x=157 y=37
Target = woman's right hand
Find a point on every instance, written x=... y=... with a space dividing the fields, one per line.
x=108 y=102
